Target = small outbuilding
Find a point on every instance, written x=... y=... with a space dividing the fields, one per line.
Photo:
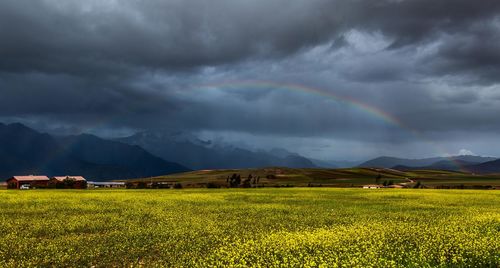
x=76 y=182
x=27 y=182
x=105 y=184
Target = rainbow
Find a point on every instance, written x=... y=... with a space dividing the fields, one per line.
x=250 y=84
x=364 y=107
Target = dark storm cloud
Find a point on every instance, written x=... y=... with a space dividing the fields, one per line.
x=99 y=36
x=96 y=37
x=473 y=52
x=411 y=21
x=70 y=97
x=433 y=65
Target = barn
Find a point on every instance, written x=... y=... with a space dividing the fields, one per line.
x=77 y=182
x=27 y=182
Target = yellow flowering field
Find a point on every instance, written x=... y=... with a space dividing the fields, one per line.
x=271 y=227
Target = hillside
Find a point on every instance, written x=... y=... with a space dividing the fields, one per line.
x=427 y=163
x=487 y=167
x=449 y=165
x=351 y=177
x=26 y=151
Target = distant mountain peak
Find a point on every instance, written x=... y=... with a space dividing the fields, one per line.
x=464 y=152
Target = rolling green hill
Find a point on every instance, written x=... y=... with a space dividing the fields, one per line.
x=352 y=177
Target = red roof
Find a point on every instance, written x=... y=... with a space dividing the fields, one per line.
x=30 y=178
x=76 y=178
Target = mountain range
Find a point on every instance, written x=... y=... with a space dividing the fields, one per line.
x=390 y=162
x=198 y=154
x=467 y=163
x=25 y=151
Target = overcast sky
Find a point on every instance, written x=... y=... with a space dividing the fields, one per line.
x=407 y=78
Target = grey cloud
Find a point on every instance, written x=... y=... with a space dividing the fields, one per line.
x=61 y=96
x=459 y=96
x=473 y=52
x=92 y=37
x=130 y=65
x=101 y=37
x=411 y=21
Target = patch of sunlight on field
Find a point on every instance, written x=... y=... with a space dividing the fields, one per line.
x=307 y=227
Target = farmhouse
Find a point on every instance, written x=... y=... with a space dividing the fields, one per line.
x=27 y=182
x=77 y=182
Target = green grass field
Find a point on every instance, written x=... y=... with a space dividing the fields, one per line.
x=266 y=227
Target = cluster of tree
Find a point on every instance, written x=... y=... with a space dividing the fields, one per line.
x=136 y=185
x=283 y=185
x=387 y=183
x=156 y=185
x=235 y=181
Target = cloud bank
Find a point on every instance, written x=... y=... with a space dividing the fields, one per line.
x=115 y=67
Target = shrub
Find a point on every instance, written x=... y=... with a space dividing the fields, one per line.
x=141 y=185
x=211 y=185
